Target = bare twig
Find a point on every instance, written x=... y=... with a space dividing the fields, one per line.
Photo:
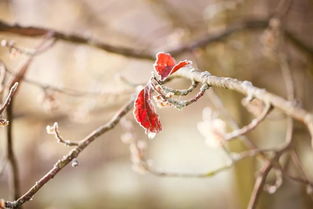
x=55 y=131
x=128 y=52
x=252 y=125
x=69 y=91
x=15 y=184
x=259 y=183
x=13 y=48
x=73 y=38
x=179 y=104
x=9 y=97
x=246 y=87
x=247 y=142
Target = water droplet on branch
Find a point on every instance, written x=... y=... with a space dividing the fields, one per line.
x=75 y=163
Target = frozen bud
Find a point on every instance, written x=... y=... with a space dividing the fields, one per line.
x=52 y=129
x=151 y=135
x=4 y=122
x=127 y=138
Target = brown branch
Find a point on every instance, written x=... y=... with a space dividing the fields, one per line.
x=9 y=97
x=139 y=54
x=69 y=91
x=18 y=78
x=69 y=157
x=246 y=88
x=259 y=183
x=54 y=129
x=251 y=126
x=73 y=38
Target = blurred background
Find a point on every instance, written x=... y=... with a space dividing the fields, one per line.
x=104 y=177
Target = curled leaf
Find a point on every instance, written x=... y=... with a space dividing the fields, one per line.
x=165 y=65
x=144 y=112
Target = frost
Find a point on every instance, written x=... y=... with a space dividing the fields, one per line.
x=151 y=135
x=247 y=84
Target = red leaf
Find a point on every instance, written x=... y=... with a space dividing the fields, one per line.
x=144 y=112
x=165 y=65
x=181 y=64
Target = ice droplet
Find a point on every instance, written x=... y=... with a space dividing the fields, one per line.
x=151 y=135
x=75 y=163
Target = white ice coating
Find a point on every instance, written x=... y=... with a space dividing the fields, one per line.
x=151 y=135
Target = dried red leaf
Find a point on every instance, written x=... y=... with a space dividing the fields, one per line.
x=165 y=65
x=145 y=113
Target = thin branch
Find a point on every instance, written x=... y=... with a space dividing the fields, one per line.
x=251 y=126
x=247 y=142
x=70 y=156
x=68 y=91
x=181 y=92
x=246 y=88
x=73 y=38
x=139 y=54
x=9 y=112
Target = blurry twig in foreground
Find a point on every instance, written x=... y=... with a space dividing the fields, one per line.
x=9 y=97
x=252 y=125
x=54 y=130
x=139 y=54
x=18 y=78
